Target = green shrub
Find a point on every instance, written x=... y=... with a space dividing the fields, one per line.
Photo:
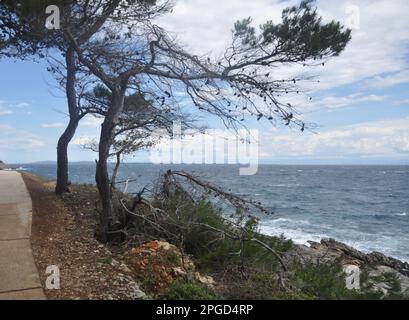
x=203 y=232
x=187 y=290
x=322 y=281
x=390 y=279
x=327 y=282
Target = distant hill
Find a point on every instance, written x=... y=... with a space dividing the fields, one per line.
x=5 y=166
x=43 y=162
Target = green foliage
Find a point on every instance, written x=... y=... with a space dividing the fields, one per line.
x=244 y=30
x=327 y=282
x=101 y=92
x=388 y=278
x=215 y=242
x=244 y=269
x=301 y=35
x=188 y=290
x=322 y=281
x=259 y=286
x=22 y=27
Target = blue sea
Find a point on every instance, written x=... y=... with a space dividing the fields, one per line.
x=364 y=206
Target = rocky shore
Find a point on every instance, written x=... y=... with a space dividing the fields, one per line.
x=63 y=234
x=378 y=268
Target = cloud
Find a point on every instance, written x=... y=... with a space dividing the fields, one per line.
x=12 y=139
x=210 y=22
x=90 y=121
x=84 y=140
x=389 y=80
x=402 y=102
x=52 y=125
x=5 y=112
x=378 y=45
x=335 y=102
x=6 y=107
x=388 y=138
x=21 y=105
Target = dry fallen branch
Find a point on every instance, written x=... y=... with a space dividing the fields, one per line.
x=150 y=221
x=236 y=232
x=237 y=201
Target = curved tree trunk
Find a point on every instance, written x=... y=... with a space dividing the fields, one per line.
x=62 y=156
x=101 y=175
x=75 y=117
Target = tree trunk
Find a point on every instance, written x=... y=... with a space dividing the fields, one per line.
x=75 y=117
x=101 y=175
x=104 y=189
x=115 y=172
x=62 y=156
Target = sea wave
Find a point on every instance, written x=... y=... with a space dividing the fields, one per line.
x=285 y=185
x=279 y=220
x=364 y=242
x=376 y=216
x=296 y=235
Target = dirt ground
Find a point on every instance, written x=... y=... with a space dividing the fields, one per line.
x=63 y=235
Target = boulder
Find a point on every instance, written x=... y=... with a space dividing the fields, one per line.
x=379 y=266
x=157 y=264
x=378 y=279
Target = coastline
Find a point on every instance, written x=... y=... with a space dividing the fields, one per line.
x=5 y=166
x=325 y=252
x=364 y=215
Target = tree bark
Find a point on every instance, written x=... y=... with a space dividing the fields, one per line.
x=101 y=175
x=115 y=172
x=62 y=156
x=75 y=117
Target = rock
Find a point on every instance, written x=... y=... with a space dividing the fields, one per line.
x=137 y=293
x=330 y=250
x=178 y=271
x=158 y=264
x=206 y=280
x=377 y=258
x=380 y=272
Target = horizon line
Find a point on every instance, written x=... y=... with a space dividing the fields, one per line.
x=223 y=164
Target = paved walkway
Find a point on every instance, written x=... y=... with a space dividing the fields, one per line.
x=18 y=273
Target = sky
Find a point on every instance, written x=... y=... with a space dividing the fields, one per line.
x=360 y=106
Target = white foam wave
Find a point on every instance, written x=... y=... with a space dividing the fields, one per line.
x=279 y=220
x=363 y=242
x=296 y=235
